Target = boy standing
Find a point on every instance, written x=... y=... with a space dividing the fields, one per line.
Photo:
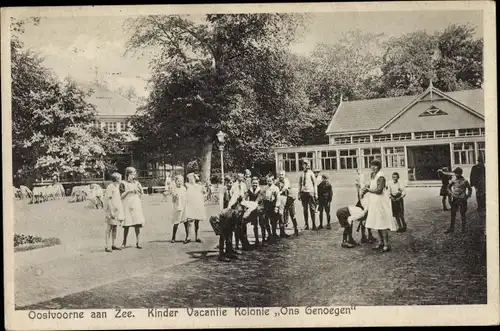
x=289 y=206
x=325 y=194
x=271 y=206
x=460 y=190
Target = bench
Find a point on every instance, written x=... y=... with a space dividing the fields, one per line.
x=156 y=189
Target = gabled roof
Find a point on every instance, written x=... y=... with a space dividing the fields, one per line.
x=373 y=114
x=110 y=103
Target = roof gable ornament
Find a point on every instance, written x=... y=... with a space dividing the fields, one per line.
x=433 y=111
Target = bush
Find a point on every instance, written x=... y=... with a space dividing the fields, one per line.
x=21 y=239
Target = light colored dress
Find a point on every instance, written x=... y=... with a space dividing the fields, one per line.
x=179 y=199
x=195 y=205
x=132 y=206
x=113 y=202
x=379 y=208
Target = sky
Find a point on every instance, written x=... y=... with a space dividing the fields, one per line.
x=86 y=47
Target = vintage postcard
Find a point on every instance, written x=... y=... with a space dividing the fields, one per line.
x=247 y=166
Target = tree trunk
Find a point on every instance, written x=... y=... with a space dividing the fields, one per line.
x=206 y=159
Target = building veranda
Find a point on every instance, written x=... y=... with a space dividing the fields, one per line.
x=411 y=135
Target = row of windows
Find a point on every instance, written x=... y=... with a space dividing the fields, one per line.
x=113 y=126
x=408 y=136
x=393 y=157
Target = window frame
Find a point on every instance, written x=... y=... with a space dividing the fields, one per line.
x=312 y=159
x=344 y=159
x=466 y=156
x=328 y=159
x=396 y=155
x=368 y=158
x=283 y=161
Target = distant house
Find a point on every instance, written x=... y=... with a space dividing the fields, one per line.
x=413 y=135
x=113 y=110
x=113 y=114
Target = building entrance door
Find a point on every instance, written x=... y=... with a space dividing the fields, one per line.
x=424 y=161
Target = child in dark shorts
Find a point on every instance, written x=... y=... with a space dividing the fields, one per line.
x=346 y=217
x=397 y=193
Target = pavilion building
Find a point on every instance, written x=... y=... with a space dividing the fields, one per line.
x=411 y=135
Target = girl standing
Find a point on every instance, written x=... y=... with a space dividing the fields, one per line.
x=179 y=199
x=114 y=211
x=168 y=185
x=195 y=206
x=397 y=191
x=131 y=193
x=379 y=207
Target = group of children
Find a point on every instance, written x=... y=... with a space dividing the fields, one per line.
x=123 y=207
x=270 y=208
x=384 y=202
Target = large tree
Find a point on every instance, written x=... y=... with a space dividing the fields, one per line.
x=51 y=120
x=205 y=66
x=451 y=58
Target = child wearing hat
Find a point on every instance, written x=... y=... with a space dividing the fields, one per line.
x=459 y=190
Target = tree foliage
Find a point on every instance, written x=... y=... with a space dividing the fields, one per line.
x=216 y=74
x=452 y=58
x=235 y=73
x=51 y=121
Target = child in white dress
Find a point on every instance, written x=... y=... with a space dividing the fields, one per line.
x=195 y=205
x=179 y=200
x=131 y=193
x=114 y=211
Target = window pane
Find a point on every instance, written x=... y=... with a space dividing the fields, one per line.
x=342 y=163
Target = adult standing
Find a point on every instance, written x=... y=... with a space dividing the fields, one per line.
x=308 y=194
x=131 y=193
x=379 y=207
x=478 y=181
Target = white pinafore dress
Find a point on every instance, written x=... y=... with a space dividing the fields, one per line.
x=195 y=205
x=132 y=206
x=179 y=199
x=112 y=200
x=379 y=208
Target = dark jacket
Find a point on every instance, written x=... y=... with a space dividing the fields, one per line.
x=325 y=192
x=477 y=177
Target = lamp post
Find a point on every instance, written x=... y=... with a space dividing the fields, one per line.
x=221 y=137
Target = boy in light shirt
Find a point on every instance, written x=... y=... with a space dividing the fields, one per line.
x=347 y=216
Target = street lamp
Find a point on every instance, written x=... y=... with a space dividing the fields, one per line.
x=221 y=137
